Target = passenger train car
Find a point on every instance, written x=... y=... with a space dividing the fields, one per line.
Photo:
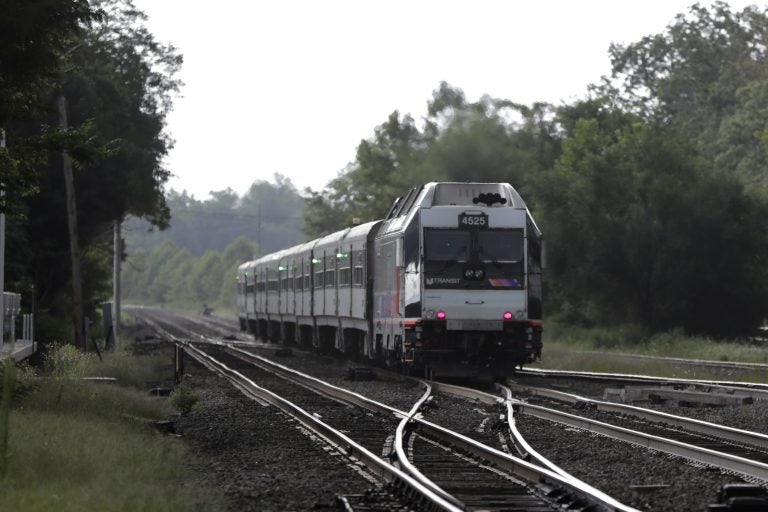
x=449 y=283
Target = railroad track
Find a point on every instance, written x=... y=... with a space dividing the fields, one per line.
x=499 y=480
x=505 y=483
x=728 y=448
x=758 y=391
x=650 y=476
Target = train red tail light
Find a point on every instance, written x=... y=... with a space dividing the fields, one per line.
x=441 y=315
x=508 y=315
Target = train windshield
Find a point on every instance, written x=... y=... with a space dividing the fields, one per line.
x=446 y=245
x=478 y=259
x=500 y=245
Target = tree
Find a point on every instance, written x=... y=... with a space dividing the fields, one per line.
x=118 y=83
x=705 y=75
x=646 y=231
x=36 y=39
x=207 y=276
x=489 y=140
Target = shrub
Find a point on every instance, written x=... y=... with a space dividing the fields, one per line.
x=67 y=362
x=184 y=400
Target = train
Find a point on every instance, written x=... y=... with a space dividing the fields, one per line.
x=448 y=284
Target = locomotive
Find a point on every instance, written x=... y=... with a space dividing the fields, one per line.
x=448 y=284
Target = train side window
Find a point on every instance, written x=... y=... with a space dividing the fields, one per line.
x=358 y=273
x=344 y=277
x=319 y=279
x=330 y=278
x=284 y=282
x=273 y=280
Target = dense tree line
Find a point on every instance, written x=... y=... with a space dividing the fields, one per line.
x=270 y=214
x=652 y=192
x=169 y=275
x=81 y=81
x=193 y=262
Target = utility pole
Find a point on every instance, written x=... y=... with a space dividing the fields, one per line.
x=74 y=245
x=118 y=252
x=258 y=230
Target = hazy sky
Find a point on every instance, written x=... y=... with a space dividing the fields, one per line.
x=292 y=87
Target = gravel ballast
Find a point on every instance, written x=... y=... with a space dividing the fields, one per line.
x=259 y=459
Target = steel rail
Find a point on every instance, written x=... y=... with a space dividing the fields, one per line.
x=514 y=465
x=525 y=449
x=691 y=424
x=338 y=440
x=402 y=456
x=695 y=453
x=697 y=362
x=527 y=452
x=524 y=469
x=316 y=385
x=517 y=466
x=760 y=389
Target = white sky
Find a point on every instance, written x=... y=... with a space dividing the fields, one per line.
x=292 y=87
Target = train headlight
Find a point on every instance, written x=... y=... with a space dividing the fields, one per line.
x=430 y=314
x=520 y=314
x=468 y=273
x=479 y=273
x=441 y=315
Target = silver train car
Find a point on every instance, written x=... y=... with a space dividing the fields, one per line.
x=448 y=284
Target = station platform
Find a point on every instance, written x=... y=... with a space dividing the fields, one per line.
x=17 y=351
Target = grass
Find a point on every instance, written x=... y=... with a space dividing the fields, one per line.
x=75 y=445
x=574 y=348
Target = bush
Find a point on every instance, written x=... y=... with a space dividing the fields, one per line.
x=67 y=362
x=184 y=400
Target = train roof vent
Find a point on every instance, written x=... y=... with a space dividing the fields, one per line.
x=476 y=194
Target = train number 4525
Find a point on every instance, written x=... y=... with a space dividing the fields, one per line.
x=476 y=220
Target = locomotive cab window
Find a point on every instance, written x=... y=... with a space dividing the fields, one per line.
x=503 y=245
x=446 y=245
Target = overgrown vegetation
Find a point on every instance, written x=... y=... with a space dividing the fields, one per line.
x=602 y=349
x=76 y=445
x=184 y=400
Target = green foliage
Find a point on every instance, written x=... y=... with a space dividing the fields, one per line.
x=184 y=399
x=66 y=463
x=35 y=43
x=67 y=362
x=268 y=213
x=170 y=276
x=630 y=337
x=490 y=140
x=706 y=74
x=118 y=82
x=573 y=348
x=75 y=445
x=648 y=233
x=9 y=381
x=72 y=449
